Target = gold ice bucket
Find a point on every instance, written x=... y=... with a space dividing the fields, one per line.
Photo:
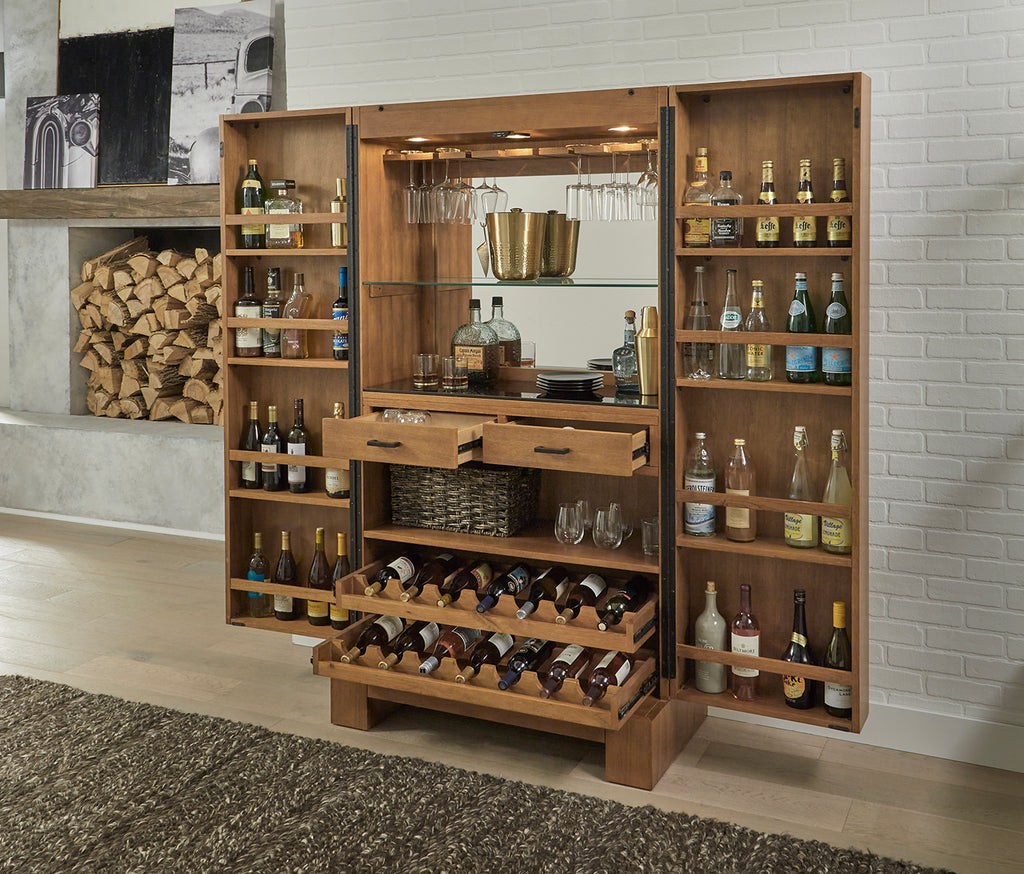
x=561 y=235
x=516 y=238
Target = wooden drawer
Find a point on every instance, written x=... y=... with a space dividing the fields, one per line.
x=449 y=440
x=616 y=450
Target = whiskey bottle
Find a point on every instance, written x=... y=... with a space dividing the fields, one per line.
x=286 y=574
x=297 y=444
x=510 y=344
x=529 y=657
x=248 y=342
x=477 y=345
x=709 y=633
x=731 y=356
x=273 y=306
x=805 y=229
x=339 y=311
x=402 y=569
x=726 y=230
x=260 y=606
x=512 y=582
x=452 y=643
x=434 y=572
x=798 y=691
x=838 y=657
x=318 y=612
x=612 y=670
x=252 y=473
x=767 y=225
x=486 y=652
x=586 y=592
x=801 y=361
x=551 y=585
x=251 y=201
x=626 y=600
x=339 y=204
x=698 y=358
x=624 y=365
x=838 y=233
x=699 y=476
x=293 y=340
x=283 y=236
x=572 y=661
x=417 y=638
x=342 y=568
x=746 y=640
x=740 y=522
x=380 y=633
x=275 y=476
x=759 y=355
x=473 y=578
x=837 y=363
x=836 y=532
x=337 y=479
x=697 y=231
x=801 y=529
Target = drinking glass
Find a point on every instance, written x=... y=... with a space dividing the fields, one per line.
x=414 y=417
x=624 y=521
x=649 y=535
x=424 y=370
x=586 y=514
x=568 y=525
x=392 y=415
x=607 y=531
x=454 y=374
x=528 y=353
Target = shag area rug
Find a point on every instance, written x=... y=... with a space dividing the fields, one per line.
x=90 y=783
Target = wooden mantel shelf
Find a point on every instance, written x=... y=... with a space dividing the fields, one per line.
x=114 y=201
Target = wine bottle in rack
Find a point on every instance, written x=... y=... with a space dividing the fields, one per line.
x=799 y=691
x=342 y=568
x=434 y=572
x=248 y=341
x=837 y=531
x=612 y=670
x=586 y=592
x=710 y=633
x=627 y=599
x=318 y=612
x=297 y=444
x=572 y=661
x=488 y=651
x=801 y=529
x=273 y=306
x=337 y=479
x=746 y=640
x=252 y=472
x=380 y=633
x=839 y=696
x=474 y=578
x=837 y=362
x=260 y=606
x=528 y=657
x=699 y=476
x=453 y=643
x=740 y=522
x=801 y=361
x=274 y=476
x=551 y=585
x=286 y=574
x=512 y=582
x=417 y=638
x=402 y=569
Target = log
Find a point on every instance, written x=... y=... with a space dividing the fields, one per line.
x=118 y=253
x=136 y=349
x=114 y=410
x=137 y=368
x=109 y=379
x=164 y=377
x=129 y=386
x=149 y=290
x=202 y=255
x=84 y=340
x=160 y=408
x=169 y=355
x=158 y=340
x=118 y=313
x=217 y=266
x=186 y=267
x=193 y=412
x=123 y=278
x=201 y=368
x=103 y=277
x=80 y=294
x=143 y=265
x=90 y=361
x=150 y=395
x=177 y=291
x=106 y=352
x=97 y=401
x=134 y=407
x=168 y=275
x=147 y=324
x=169 y=257
x=196 y=389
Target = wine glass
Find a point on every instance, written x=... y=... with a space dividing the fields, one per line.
x=624 y=521
x=412 y=198
x=647 y=188
x=577 y=196
x=586 y=514
x=568 y=524
x=607 y=531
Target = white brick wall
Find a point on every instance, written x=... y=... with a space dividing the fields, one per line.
x=948 y=274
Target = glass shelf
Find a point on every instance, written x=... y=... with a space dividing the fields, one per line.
x=542 y=282
x=517 y=392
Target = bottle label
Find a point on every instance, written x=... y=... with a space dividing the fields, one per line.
x=568 y=655
x=726 y=230
x=467 y=636
x=804 y=229
x=256 y=578
x=768 y=229
x=338 y=614
x=249 y=471
x=560 y=589
x=501 y=642
x=316 y=609
x=801 y=359
x=835 y=532
x=404 y=568
x=793 y=687
x=796 y=307
x=340 y=340
x=252 y=210
x=247 y=338
x=746 y=646
x=277 y=232
x=296 y=473
x=839 y=695
x=283 y=603
x=799 y=527
x=268 y=467
x=517 y=580
x=710 y=676
x=837 y=360
x=336 y=480
x=730 y=320
x=699 y=518
x=472 y=355
x=697 y=232
x=392 y=625
x=835 y=310
x=700 y=164
x=799 y=639
x=620 y=675
x=757 y=355
x=737 y=517
x=271 y=336
x=429 y=634
x=839 y=228
x=594 y=583
x=483 y=574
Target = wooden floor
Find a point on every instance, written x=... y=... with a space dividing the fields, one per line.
x=140 y=616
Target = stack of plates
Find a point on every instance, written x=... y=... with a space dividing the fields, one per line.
x=570 y=382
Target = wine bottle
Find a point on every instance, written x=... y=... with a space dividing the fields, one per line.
x=805 y=229
x=417 y=638
x=336 y=479
x=339 y=310
x=758 y=355
x=474 y=578
x=252 y=472
x=612 y=670
x=259 y=606
x=709 y=633
x=837 y=362
x=550 y=585
x=801 y=361
x=402 y=569
x=434 y=572
x=318 y=612
x=699 y=476
x=585 y=593
x=740 y=522
x=512 y=582
x=298 y=443
x=273 y=305
x=274 y=475
x=294 y=343
x=801 y=529
x=838 y=657
x=339 y=204
x=342 y=568
x=570 y=662
x=799 y=691
x=839 y=225
x=286 y=574
x=767 y=225
x=746 y=640
x=486 y=652
x=380 y=632
x=453 y=643
x=248 y=341
x=836 y=531
x=528 y=657
x=626 y=600
x=251 y=199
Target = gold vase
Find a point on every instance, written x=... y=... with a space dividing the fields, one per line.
x=648 y=352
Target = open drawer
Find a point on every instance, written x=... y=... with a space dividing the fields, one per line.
x=450 y=439
x=616 y=450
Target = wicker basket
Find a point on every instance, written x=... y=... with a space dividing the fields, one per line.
x=472 y=499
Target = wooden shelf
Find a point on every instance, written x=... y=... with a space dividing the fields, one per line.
x=772 y=666
x=762 y=502
x=811 y=388
x=295 y=324
x=283 y=253
x=319 y=363
x=296 y=626
x=304 y=218
x=285 y=458
x=303 y=593
x=319 y=500
x=775 y=338
x=764 y=547
x=780 y=252
x=113 y=202
x=755 y=210
x=768 y=707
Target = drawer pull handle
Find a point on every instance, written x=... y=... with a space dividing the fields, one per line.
x=384 y=444
x=548 y=451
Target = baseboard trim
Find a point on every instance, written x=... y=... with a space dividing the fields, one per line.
x=104 y=523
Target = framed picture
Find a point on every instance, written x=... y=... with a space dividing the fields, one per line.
x=62 y=141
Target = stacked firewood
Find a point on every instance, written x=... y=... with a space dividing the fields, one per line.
x=152 y=334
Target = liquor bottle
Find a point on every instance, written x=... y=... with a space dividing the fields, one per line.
x=417 y=638
x=298 y=443
x=697 y=231
x=286 y=574
x=799 y=691
x=838 y=233
x=529 y=657
x=273 y=306
x=709 y=633
x=767 y=225
x=837 y=363
x=512 y=582
x=510 y=344
x=746 y=639
x=339 y=310
x=805 y=229
x=624 y=359
x=836 y=533
x=402 y=569
x=293 y=340
x=453 y=643
x=251 y=201
x=275 y=476
x=740 y=522
x=380 y=633
x=731 y=356
x=260 y=606
x=551 y=585
x=434 y=572
x=726 y=230
x=252 y=473
x=612 y=670
x=342 y=568
x=626 y=600
x=698 y=358
x=248 y=342
x=570 y=662
x=699 y=476
x=477 y=345
x=337 y=479
x=801 y=361
x=281 y=236
x=585 y=593
x=801 y=529
x=339 y=204
x=486 y=652
x=759 y=355
x=838 y=657
x=648 y=355
x=318 y=612
x=474 y=578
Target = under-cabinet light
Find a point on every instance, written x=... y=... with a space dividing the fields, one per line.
x=622 y=129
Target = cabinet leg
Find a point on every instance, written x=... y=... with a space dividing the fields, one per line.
x=639 y=753
x=352 y=707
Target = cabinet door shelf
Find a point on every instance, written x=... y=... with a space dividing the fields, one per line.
x=769 y=707
x=763 y=502
x=756 y=210
x=760 y=663
x=298 y=324
x=285 y=458
x=296 y=626
x=304 y=218
x=321 y=363
x=764 y=547
x=809 y=388
x=735 y=338
x=286 y=497
x=842 y=253
x=303 y=593
x=285 y=253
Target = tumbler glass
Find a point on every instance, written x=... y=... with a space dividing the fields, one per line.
x=568 y=524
